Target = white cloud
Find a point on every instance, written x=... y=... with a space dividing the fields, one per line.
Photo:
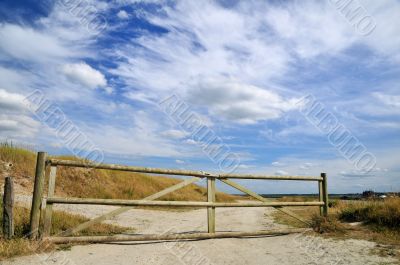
x=15 y=120
x=389 y=100
x=356 y=174
x=385 y=39
x=306 y=166
x=11 y=101
x=192 y=142
x=122 y=14
x=140 y=96
x=234 y=51
x=245 y=104
x=277 y=164
x=281 y=173
x=84 y=74
x=179 y=161
x=26 y=43
x=311 y=28
x=244 y=166
x=175 y=134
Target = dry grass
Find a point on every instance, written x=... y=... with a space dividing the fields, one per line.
x=23 y=163
x=61 y=221
x=297 y=198
x=107 y=184
x=379 y=220
x=381 y=214
x=20 y=247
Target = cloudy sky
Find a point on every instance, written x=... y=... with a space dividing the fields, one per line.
x=241 y=67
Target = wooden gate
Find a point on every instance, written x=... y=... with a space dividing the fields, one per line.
x=42 y=205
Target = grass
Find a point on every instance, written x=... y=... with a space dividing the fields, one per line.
x=380 y=214
x=378 y=221
x=91 y=183
x=22 y=160
x=20 y=245
x=297 y=198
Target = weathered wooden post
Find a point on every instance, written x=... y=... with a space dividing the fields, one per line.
x=211 y=210
x=8 y=208
x=325 y=193
x=321 y=197
x=49 y=206
x=37 y=194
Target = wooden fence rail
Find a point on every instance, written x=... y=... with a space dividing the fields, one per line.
x=210 y=204
x=175 y=203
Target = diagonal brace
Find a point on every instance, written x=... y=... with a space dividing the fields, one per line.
x=127 y=208
x=260 y=198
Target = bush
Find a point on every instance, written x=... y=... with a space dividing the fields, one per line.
x=333 y=203
x=380 y=213
x=328 y=224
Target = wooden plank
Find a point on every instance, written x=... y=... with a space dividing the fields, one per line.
x=172 y=237
x=211 y=210
x=49 y=206
x=124 y=209
x=325 y=194
x=321 y=197
x=173 y=171
x=37 y=194
x=8 y=208
x=175 y=203
x=260 y=198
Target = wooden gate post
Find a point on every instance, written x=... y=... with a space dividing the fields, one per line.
x=49 y=206
x=321 y=197
x=37 y=194
x=211 y=210
x=8 y=208
x=325 y=194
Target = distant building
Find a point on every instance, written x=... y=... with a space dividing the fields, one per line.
x=368 y=194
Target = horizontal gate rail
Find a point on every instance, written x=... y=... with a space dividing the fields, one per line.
x=57 y=162
x=172 y=237
x=175 y=203
x=43 y=174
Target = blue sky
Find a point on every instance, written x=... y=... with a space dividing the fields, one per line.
x=242 y=67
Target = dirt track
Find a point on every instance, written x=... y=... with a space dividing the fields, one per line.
x=289 y=249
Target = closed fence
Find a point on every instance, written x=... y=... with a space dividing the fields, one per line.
x=42 y=205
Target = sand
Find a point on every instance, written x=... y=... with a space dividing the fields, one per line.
x=288 y=249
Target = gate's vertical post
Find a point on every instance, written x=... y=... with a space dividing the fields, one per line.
x=325 y=194
x=321 y=197
x=49 y=206
x=211 y=210
x=37 y=194
x=8 y=208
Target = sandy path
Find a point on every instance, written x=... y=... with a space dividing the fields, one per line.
x=290 y=249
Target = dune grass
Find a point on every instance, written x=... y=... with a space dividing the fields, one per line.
x=106 y=184
x=379 y=220
x=297 y=198
x=20 y=245
x=380 y=214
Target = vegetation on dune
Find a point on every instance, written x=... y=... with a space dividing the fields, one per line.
x=384 y=213
x=376 y=220
x=61 y=221
x=107 y=184
x=17 y=161
x=297 y=198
